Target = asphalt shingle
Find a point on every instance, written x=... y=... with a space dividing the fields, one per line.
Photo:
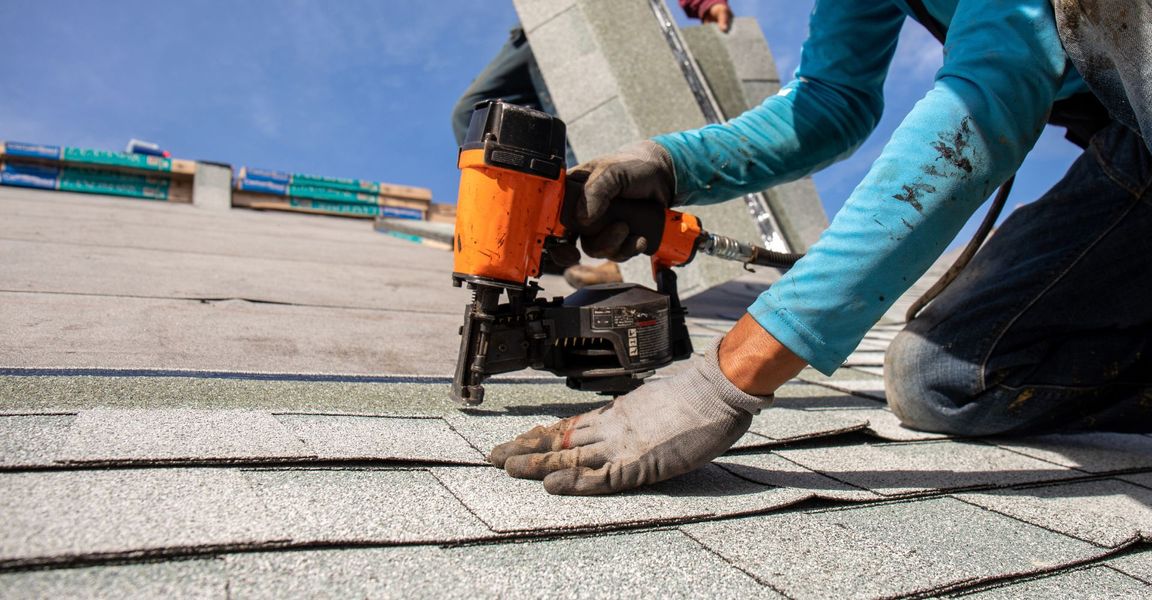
x=880 y=421
x=1118 y=513
x=1092 y=452
x=193 y=579
x=65 y=330
x=894 y=469
x=780 y=425
x=56 y=516
x=168 y=436
x=771 y=469
x=886 y=550
x=28 y=440
x=369 y=437
x=1136 y=564
x=658 y=564
x=510 y=505
x=1093 y=582
x=362 y=505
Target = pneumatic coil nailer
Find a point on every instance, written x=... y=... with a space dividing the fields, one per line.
x=511 y=210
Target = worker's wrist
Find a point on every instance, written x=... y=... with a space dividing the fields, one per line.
x=755 y=361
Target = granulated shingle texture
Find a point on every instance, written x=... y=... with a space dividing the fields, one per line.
x=32 y=439
x=508 y=504
x=351 y=505
x=886 y=550
x=74 y=513
x=1092 y=452
x=1093 y=582
x=353 y=437
x=771 y=469
x=907 y=468
x=1138 y=564
x=872 y=388
x=881 y=422
x=1141 y=479
x=779 y=425
x=65 y=330
x=178 y=435
x=193 y=579
x=658 y=564
x=1118 y=513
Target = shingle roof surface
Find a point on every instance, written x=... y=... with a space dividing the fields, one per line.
x=199 y=404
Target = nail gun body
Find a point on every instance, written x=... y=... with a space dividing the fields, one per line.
x=516 y=204
x=510 y=211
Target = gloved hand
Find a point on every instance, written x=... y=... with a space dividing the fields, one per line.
x=639 y=171
x=663 y=429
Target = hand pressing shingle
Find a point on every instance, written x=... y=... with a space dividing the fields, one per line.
x=663 y=429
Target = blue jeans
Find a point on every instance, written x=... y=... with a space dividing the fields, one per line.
x=512 y=76
x=1050 y=327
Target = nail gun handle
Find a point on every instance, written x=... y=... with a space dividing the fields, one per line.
x=672 y=236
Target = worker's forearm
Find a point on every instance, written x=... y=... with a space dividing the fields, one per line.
x=756 y=362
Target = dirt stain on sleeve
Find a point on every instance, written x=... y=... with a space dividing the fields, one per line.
x=951 y=146
x=912 y=193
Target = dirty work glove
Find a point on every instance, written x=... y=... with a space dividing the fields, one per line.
x=663 y=429
x=638 y=171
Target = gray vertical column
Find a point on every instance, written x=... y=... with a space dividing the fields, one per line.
x=741 y=72
x=614 y=80
x=212 y=186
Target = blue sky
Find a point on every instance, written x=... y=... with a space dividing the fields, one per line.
x=364 y=91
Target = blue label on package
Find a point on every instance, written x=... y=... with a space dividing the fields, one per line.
x=266 y=187
x=32 y=150
x=266 y=175
x=33 y=176
x=401 y=213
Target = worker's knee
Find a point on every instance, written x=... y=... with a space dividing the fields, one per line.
x=931 y=389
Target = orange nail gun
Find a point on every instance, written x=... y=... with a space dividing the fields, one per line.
x=511 y=210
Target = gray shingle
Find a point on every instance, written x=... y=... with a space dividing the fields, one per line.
x=865 y=358
x=872 y=388
x=165 y=273
x=353 y=505
x=193 y=579
x=158 y=436
x=771 y=469
x=549 y=398
x=1143 y=479
x=1106 y=512
x=64 y=330
x=781 y=425
x=76 y=513
x=508 y=504
x=1094 y=582
x=1136 y=564
x=826 y=397
x=897 y=468
x=1092 y=452
x=659 y=564
x=27 y=440
x=380 y=438
x=886 y=550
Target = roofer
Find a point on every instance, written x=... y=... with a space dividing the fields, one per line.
x=1050 y=326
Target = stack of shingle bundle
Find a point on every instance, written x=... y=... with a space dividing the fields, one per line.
x=96 y=171
x=275 y=190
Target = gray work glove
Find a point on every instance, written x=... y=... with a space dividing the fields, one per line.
x=663 y=429
x=638 y=171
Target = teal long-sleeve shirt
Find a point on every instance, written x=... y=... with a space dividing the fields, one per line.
x=1003 y=68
